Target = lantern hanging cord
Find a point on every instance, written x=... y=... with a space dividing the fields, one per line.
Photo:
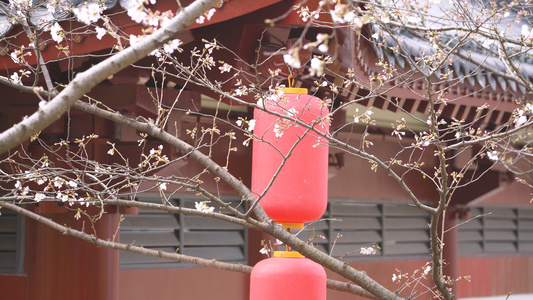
x=290 y=79
x=293 y=72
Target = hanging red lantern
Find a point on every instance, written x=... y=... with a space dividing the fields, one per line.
x=288 y=276
x=298 y=193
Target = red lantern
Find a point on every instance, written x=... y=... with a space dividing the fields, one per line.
x=299 y=191
x=288 y=276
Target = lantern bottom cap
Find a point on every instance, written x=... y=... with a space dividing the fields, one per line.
x=291 y=225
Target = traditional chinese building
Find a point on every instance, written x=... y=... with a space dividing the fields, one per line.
x=37 y=262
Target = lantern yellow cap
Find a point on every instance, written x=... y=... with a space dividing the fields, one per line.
x=287 y=254
x=292 y=90
x=291 y=225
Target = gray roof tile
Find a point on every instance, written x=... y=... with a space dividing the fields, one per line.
x=40 y=16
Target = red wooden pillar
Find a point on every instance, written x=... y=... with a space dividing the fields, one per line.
x=62 y=267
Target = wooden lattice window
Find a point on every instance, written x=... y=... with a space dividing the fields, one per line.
x=497 y=230
x=191 y=235
x=399 y=229
x=11 y=242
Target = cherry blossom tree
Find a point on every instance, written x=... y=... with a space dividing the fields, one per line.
x=428 y=50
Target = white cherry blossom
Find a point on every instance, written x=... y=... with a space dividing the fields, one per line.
x=225 y=68
x=292 y=60
x=172 y=46
x=39 y=197
x=278 y=131
x=203 y=207
x=251 y=125
x=210 y=13
x=137 y=14
x=200 y=20
x=368 y=251
x=426 y=270
x=57 y=33
x=16 y=78
x=317 y=66
x=58 y=182
x=493 y=155
x=88 y=13
x=72 y=184
x=264 y=251
x=100 y=32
